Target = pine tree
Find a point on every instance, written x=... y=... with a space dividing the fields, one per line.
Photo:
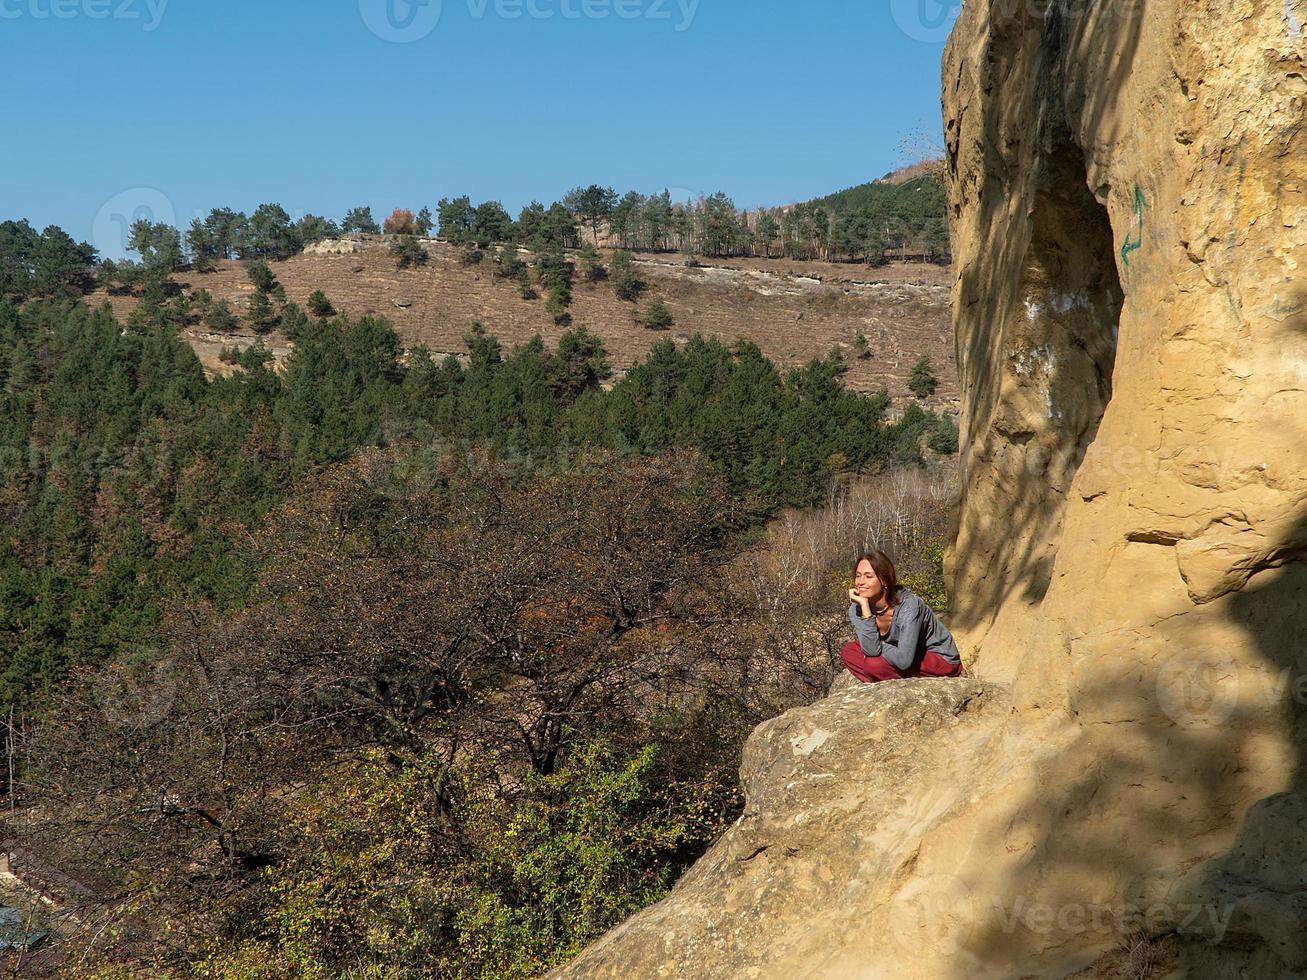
x=294 y=322
x=592 y=266
x=657 y=316
x=922 y=381
x=592 y=204
x=220 y=317
x=360 y=221
x=556 y=305
x=159 y=246
x=262 y=276
x=944 y=437
x=510 y=266
x=260 y=314
x=626 y=284
x=319 y=305
x=524 y=285
x=408 y=252
x=271 y=233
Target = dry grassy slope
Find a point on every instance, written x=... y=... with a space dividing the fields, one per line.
x=794 y=311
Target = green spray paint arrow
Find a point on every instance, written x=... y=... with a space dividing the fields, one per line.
x=1132 y=243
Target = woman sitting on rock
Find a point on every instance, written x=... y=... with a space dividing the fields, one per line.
x=898 y=635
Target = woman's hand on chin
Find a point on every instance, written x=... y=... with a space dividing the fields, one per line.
x=862 y=602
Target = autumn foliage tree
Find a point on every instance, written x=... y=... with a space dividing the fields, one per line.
x=400 y=222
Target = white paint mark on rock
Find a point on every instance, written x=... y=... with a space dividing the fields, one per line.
x=1059 y=303
x=808 y=744
x=1033 y=361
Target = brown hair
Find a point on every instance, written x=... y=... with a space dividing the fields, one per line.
x=883 y=566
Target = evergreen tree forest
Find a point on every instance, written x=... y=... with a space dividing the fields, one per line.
x=868 y=224
x=128 y=474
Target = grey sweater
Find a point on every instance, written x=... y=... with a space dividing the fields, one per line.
x=915 y=630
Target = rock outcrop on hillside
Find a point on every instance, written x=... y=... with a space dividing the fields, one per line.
x=1129 y=213
x=825 y=843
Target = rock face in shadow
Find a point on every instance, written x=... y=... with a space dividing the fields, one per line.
x=1128 y=203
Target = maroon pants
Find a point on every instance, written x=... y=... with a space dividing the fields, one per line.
x=869 y=670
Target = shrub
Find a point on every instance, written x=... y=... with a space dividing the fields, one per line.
x=260 y=315
x=534 y=876
x=592 y=267
x=927 y=578
x=808 y=553
x=261 y=274
x=294 y=322
x=556 y=306
x=400 y=222
x=922 y=381
x=319 y=305
x=524 y=284
x=626 y=284
x=510 y=264
x=220 y=317
x=408 y=252
x=657 y=316
x=944 y=437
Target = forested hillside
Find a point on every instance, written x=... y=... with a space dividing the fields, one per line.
x=867 y=224
x=352 y=651
x=128 y=474
x=441 y=574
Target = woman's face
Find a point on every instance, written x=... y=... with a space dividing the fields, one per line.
x=866 y=582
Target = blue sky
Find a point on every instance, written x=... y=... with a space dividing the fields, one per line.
x=171 y=107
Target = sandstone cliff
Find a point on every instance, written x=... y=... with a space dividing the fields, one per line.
x=1129 y=218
